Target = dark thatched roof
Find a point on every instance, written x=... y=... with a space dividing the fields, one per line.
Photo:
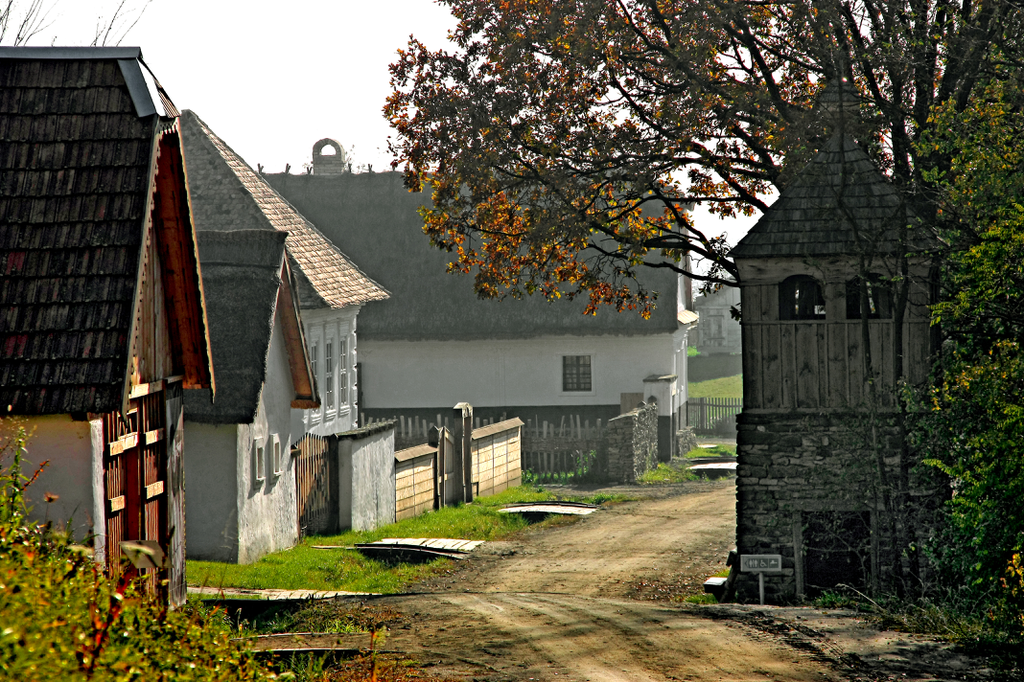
x=373 y=218
x=839 y=194
x=228 y=195
x=77 y=133
x=241 y=278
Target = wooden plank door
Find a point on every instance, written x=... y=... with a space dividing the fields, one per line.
x=135 y=477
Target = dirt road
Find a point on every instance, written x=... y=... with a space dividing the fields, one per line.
x=590 y=600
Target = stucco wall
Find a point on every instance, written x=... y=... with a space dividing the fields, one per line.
x=267 y=511
x=211 y=500
x=367 y=479
x=70 y=473
x=401 y=374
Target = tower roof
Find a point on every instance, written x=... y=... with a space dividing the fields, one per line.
x=838 y=204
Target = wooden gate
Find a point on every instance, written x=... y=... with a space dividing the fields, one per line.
x=135 y=471
x=316 y=480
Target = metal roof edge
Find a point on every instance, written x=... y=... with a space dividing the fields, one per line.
x=23 y=52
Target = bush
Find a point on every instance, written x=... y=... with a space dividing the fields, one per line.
x=63 y=619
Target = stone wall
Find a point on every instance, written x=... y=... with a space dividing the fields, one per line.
x=686 y=440
x=809 y=488
x=631 y=444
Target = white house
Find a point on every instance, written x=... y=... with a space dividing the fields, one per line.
x=434 y=343
x=229 y=195
x=239 y=473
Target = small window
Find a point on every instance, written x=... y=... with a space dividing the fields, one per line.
x=576 y=374
x=879 y=298
x=801 y=298
x=343 y=374
x=314 y=361
x=278 y=460
x=260 y=463
x=329 y=376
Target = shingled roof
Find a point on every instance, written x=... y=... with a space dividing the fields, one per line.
x=838 y=194
x=228 y=195
x=79 y=128
x=243 y=274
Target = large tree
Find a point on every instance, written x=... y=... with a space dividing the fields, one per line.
x=563 y=141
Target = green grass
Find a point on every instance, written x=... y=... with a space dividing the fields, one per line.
x=303 y=567
x=692 y=352
x=720 y=450
x=726 y=387
x=667 y=473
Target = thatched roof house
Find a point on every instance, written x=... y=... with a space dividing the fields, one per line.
x=227 y=195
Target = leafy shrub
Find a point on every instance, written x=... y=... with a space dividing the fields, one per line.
x=63 y=619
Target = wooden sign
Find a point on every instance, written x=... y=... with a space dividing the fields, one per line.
x=761 y=563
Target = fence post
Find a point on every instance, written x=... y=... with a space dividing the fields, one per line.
x=462 y=417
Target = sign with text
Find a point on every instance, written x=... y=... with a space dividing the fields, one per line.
x=761 y=563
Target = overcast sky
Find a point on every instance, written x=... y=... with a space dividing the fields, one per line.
x=272 y=78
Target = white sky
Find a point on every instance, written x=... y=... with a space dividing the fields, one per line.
x=272 y=78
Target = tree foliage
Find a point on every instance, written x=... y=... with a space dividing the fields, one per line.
x=564 y=141
x=976 y=423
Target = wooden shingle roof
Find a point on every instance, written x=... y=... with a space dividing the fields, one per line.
x=839 y=204
x=228 y=195
x=78 y=132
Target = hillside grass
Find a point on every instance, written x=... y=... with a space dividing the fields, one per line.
x=303 y=567
x=726 y=387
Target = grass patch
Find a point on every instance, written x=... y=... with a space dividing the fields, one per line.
x=721 y=450
x=726 y=387
x=667 y=473
x=303 y=567
x=700 y=599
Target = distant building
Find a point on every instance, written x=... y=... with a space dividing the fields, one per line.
x=718 y=331
x=435 y=344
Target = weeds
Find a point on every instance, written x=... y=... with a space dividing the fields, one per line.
x=667 y=473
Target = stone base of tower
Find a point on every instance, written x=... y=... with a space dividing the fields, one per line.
x=815 y=489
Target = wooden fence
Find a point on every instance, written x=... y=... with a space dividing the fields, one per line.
x=430 y=476
x=316 y=481
x=555 y=451
x=707 y=415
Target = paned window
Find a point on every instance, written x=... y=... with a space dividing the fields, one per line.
x=576 y=373
x=801 y=298
x=343 y=374
x=329 y=376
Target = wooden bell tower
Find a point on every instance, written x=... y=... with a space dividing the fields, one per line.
x=835 y=280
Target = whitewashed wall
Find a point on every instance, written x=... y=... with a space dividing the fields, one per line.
x=71 y=473
x=337 y=327
x=406 y=374
x=232 y=514
x=367 y=496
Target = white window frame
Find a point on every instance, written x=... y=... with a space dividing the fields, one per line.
x=259 y=462
x=315 y=414
x=330 y=377
x=276 y=452
x=344 y=373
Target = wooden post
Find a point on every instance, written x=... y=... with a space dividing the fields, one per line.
x=462 y=416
